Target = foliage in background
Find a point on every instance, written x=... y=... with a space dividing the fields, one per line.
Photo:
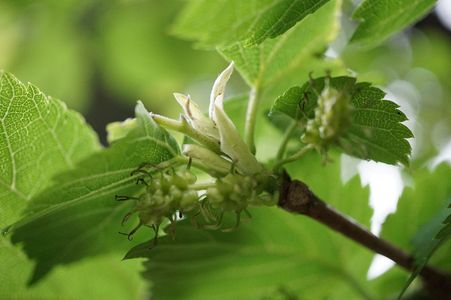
x=72 y=49
x=67 y=244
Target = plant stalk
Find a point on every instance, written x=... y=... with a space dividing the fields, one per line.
x=296 y=197
x=285 y=140
x=293 y=157
x=251 y=116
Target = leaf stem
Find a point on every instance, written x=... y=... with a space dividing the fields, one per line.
x=251 y=115
x=293 y=157
x=296 y=197
x=285 y=140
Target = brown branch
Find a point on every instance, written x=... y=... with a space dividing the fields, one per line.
x=296 y=197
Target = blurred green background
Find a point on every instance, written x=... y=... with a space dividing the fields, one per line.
x=100 y=57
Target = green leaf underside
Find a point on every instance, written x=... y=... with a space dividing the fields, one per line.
x=104 y=277
x=39 y=137
x=425 y=246
x=376 y=131
x=415 y=224
x=445 y=231
x=218 y=23
x=78 y=217
x=275 y=65
x=421 y=215
x=274 y=250
x=382 y=18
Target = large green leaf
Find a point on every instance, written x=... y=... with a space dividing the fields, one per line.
x=273 y=251
x=39 y=138
x=78 y=216
x=219 y=23
x=277 y=64
x=382 y=18
x=375 y=131
x=430 y=237
x=417 y=205
x=105 y=277
x=445 y=230
x=418 y=218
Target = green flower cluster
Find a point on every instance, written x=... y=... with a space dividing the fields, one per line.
x=332 y=118
x=239 y=179
x=236 y=192
x=170 y=192
x=166 y=193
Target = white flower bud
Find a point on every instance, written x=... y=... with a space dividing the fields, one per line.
x=233 y=145
x=217 y=92
x=196 y=118
x=208 y=158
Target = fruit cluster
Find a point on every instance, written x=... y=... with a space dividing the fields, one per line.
x=332 y=118
x=170 y=192
x=235 y=192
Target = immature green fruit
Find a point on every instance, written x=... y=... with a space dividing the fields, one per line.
x=332 y=118
x=236 y=192
x=165 y=194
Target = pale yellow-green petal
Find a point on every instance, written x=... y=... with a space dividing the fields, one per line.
x=196 y=118
x=233 y=145
x=208 y=158
x=217 y=92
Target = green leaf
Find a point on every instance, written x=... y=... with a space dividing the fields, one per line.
x=215 y=23
x=77 y=216
x=419 y=217
x=274 y=250
x=382 y=18
x=427 y=240
x=39 y=137
x=103 y=277
x=119 y=130
x=417 y=205
x=277 y=64
x=375 y=131
x=445 y=231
